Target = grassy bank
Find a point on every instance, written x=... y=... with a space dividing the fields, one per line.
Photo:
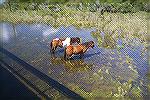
x=109 y=21
x=129 y=25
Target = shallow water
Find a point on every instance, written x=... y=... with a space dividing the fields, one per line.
x=30 y=42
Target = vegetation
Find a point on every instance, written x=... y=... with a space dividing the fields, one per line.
x=87 y=13
x=123 y=6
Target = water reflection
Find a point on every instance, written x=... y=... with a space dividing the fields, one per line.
x=72 y=65
x=7 y=32
x=49 y=31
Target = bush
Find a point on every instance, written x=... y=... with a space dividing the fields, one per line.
x=125 y=8
x=137 y=7
x=92 y=7
x=117 y=6
x=146 y=7
x=55 y=8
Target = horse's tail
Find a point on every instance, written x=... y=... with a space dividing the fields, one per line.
x=51 y=47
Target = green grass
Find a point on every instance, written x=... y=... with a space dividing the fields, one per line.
x=131 y=25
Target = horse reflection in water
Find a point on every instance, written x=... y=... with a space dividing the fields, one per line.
x=77 y=49
x=72 y=65
x=58 y=42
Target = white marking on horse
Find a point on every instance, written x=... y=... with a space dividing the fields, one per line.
x=66 y=42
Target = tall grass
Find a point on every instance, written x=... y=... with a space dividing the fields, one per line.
x=129 y=24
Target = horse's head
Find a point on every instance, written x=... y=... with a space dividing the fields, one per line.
x=78 y=40
x=60 y=43
x=91 y=44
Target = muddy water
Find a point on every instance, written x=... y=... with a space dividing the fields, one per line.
x=100 y=67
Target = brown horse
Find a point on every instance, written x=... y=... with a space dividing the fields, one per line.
x=62 y=42
x=77 y=49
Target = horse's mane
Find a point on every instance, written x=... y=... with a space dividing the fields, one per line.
x=62 y=39
x=86 y=44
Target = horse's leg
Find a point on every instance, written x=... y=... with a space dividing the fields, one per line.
x=66 y=57
x=69 y=57
x=52 y=53
x=81 y=55
x=52 y=50
x=65 y=54
x=53 y=56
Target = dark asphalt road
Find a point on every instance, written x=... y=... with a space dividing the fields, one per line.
x=12 y=89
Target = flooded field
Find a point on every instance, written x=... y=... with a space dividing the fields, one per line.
x=116 y=67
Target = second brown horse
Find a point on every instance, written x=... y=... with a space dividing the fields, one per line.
x=77 y=49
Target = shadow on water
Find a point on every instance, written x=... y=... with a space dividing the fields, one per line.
x=90 y=55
